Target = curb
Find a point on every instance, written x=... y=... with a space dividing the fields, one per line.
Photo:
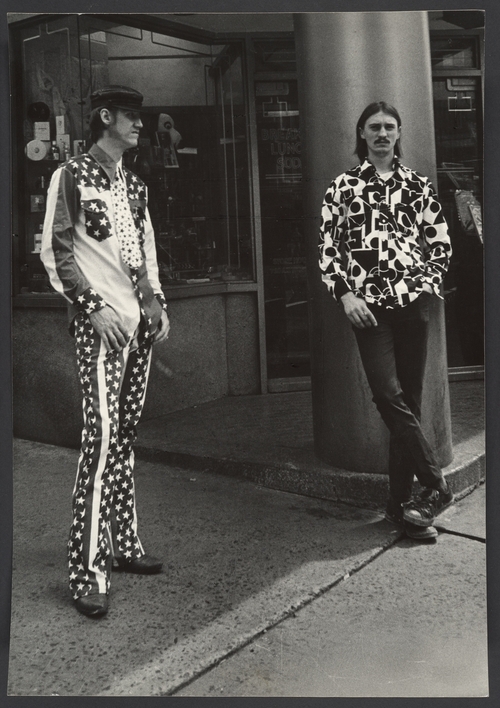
x=369 y=491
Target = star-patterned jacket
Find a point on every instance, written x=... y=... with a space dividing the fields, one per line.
x=80 y=248
x=392 y=232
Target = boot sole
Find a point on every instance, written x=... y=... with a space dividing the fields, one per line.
x=421 y=533
x=418 y=533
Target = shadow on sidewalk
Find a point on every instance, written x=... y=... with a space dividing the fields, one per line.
x=229 y=547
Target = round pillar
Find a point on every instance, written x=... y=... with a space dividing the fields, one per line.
x=346 y=60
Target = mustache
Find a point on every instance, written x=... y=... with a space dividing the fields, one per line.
x=381 y=140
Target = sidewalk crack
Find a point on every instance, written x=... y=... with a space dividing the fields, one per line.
x=470 y=536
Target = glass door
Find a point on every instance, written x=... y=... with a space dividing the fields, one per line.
x=457 y=90
x=458 y=120
x=283 y=246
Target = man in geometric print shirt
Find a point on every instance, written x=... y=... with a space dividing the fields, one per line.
x=99 y=250
x=383 y=252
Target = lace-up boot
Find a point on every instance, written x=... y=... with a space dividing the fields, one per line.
x=394 y=514
x=422 y=510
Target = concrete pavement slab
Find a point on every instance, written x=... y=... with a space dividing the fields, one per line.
x=467 y=516
x=410 y=624
x=238 y=559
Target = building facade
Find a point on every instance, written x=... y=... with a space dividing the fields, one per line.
x=222 y=155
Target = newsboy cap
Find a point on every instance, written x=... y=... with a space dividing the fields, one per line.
x=123 y=97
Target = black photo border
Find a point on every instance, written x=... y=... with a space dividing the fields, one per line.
x=492 y=301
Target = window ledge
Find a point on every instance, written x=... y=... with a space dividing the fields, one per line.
x=52 y=300
x=177 y=292
x=172 y=292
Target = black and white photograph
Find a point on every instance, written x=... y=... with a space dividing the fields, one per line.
x=248 y=353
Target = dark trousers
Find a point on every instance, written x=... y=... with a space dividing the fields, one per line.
x=393 y=356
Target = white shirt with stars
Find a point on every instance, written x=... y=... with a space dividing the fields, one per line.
x=87 y=251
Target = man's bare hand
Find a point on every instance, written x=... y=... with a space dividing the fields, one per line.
x=163 y=329
x=426 y=288
x=110 y=328
x=357 y=311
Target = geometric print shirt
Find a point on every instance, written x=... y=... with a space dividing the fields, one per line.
x=382 y=239
x=81 y=249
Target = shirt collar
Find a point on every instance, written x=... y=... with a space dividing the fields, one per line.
x=106 y=161
x=368 y=169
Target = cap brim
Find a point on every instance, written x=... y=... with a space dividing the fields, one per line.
x=142 y=109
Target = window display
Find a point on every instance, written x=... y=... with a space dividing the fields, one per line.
x=192 y=153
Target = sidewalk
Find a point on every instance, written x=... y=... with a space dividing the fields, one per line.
x=400 y=627
x=269 y=440
x=264 y=593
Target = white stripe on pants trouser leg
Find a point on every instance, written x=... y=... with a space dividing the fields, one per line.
x=114 y=386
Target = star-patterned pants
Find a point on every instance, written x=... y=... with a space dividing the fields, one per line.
x=104 y=514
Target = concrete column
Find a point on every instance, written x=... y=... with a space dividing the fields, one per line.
x=345 y=61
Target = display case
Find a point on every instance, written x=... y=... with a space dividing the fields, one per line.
x=47 y=122
x=193 y=147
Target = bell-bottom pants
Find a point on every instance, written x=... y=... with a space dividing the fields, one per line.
x=104 y=512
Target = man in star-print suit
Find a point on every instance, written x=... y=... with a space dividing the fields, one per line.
x=99 y=250
x=383 y=252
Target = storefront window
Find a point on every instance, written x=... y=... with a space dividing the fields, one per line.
x=51 y=87
x=192 y=154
